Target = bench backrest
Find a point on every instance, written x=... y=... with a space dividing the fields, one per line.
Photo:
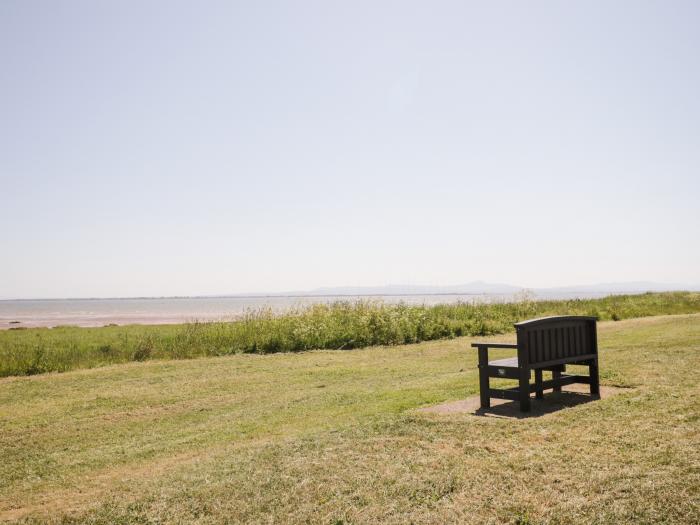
x=560 y=339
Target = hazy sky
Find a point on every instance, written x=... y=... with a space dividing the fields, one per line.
x=164 y=148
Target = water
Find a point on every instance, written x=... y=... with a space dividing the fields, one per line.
x=100 y=312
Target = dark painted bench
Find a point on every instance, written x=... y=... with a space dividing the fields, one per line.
x=549 y=343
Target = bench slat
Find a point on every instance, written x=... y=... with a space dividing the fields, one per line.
x=566 y=361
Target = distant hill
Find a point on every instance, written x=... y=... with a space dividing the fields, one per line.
x=473 y=288
x=633 y=286
x=481 y=287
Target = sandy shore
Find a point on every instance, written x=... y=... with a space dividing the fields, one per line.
x=104 y=320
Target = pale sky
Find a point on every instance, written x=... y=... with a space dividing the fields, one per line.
x=185 y=148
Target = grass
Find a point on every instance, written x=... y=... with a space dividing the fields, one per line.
x=341 y=325
x=333 y=437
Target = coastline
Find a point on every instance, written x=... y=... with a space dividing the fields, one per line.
x=100 y=321
x=92 y=313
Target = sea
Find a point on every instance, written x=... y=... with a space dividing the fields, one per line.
x=172 y=310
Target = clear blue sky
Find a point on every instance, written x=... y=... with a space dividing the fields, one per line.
x=163 y=148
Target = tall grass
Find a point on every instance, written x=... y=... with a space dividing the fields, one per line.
x=338 y=326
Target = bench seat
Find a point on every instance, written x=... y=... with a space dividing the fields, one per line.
x=511 y=362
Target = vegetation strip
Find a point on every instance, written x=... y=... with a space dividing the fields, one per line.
x=336 y=326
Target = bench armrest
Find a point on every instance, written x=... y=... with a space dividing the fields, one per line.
x=494 y=345
x=484 y=359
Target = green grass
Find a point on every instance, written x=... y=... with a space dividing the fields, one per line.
x=333 y=437
x=342 y=325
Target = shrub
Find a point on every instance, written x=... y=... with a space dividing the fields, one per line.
x=144 y=349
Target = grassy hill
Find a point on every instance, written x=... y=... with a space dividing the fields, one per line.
x=333 y=437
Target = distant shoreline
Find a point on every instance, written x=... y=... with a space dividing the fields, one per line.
x=537 y=292
x=98 y=312
x=265 y=296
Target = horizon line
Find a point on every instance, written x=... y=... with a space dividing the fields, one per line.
x=309 y=294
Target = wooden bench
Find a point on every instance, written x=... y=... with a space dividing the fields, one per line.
x=549 y=343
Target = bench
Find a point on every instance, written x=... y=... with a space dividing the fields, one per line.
x=549 y=343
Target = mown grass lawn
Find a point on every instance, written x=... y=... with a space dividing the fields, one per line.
x=333 y=437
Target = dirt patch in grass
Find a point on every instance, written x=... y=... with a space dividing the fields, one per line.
x=570 y=396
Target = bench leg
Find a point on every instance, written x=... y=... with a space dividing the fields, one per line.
x=484 y=378
x=524 y=389
x=539 y=392
x=595 y=380
x=556 y=374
